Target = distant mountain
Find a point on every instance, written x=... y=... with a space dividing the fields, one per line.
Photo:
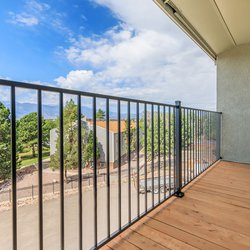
x=22 y=109
x=52 y=111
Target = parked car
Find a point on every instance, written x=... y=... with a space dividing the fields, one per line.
x=155 y=187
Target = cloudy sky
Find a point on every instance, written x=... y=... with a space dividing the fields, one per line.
x=107 y=46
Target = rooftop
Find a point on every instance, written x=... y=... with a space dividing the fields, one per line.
x=113 y=125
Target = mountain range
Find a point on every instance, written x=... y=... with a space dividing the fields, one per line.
x=52 y=111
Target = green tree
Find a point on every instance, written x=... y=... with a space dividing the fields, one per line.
x=27 y=131
x=70 y=131
x=88 y=149
x=132 y=135
x=156 y=136
x=186 y=137
x=209 y=126
x=70 y=139
x=100 y=115
x=5 y=143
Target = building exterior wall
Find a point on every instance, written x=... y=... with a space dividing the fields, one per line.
x=101 y=137
x=52 y=141
x=123 y=145
x=233 y=99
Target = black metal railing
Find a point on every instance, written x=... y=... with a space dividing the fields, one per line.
x=150 y=152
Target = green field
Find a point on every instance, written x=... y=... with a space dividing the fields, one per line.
x=27 y=158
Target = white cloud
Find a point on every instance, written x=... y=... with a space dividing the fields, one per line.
x=31 y=15
x=37 y=6
x=140 y=14
x=145 y=57
x=23 y=19
x=36 y=13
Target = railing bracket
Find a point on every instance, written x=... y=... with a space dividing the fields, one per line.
x=179 y=194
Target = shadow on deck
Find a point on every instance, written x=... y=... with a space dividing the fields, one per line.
x=214 y=214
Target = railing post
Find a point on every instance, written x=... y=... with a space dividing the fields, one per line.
x=178 y=151
x=218 y=137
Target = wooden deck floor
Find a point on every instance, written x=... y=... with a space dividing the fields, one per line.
x=214 y=214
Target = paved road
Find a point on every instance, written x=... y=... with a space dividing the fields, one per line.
x=28 y=219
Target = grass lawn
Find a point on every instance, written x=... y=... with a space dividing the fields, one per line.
x=28 y=159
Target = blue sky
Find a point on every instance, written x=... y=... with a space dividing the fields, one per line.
x=29 y=47
x=104 y=46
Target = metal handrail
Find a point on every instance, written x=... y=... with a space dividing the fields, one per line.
x=187 y=142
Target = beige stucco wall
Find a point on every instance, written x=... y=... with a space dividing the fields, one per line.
x=233 y=99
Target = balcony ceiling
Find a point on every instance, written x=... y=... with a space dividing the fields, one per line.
x=215 y=25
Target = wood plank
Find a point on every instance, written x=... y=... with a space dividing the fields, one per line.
x=234 y=165
x=106 y=247
x=162 y=238
x=218 y=198
x=236 y=168
x=214 y=214
x=184 y=219
x=236 y=171
x=226 y=217
x=238 y=184
x=228 y=176
x=182 y=235
x=118 y=243
x=230 y=171
x=221 y=190
x=142 y=242
x=231 y=204
x=231 y=175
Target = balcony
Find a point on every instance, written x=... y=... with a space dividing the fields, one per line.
x=120 y=173
x=212 y=215
x=141 y=155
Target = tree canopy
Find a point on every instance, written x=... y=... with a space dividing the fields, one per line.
x=5 y=143
x=186 y=137
x=100 y=115
x=27 y=131
x=70 y=132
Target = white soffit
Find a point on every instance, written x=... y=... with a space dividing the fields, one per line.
x=237 y=16
x=215 y=25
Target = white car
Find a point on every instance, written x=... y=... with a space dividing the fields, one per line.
x=155 y=185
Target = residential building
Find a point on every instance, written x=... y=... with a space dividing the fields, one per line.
x=101 y=135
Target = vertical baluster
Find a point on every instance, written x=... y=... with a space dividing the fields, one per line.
x=79 y=117
x=178 y=148
x=159 y=155
x=138 y=158
x=169 y=151
x=129 y=165
x=119 y=167
x=145 y=156
x=184 y=145
x=152 y=152
x=40 y=168
x=61 y=168
x=13 y=167
x=95 y=172
x=164 y=150
x=108 y=166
